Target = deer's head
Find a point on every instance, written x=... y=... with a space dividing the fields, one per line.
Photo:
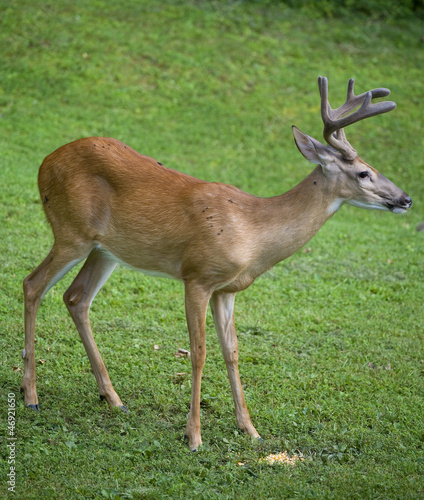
x=351 y=179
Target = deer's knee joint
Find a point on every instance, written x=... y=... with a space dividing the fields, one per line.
x=29 y=289
x=198 y=356
x=73 y=297
x=231 y=356
x=229 y=351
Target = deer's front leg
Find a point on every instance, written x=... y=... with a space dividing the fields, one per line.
x=196 y=302
x=222 y=305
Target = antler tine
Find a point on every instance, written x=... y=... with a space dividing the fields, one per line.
x=336 y=119
x=352 y=100
x=325 y=106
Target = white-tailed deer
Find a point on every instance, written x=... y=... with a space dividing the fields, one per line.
x=108 y=204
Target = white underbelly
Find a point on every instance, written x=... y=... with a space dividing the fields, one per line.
x=149 y=272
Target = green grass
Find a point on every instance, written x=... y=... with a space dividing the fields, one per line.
x=331 y=340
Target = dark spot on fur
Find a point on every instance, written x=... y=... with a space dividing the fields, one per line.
x=159 y=163
x=315 y=182
x=230 y=200
x=45 y=199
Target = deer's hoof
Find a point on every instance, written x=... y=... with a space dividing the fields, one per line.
x=34 y=407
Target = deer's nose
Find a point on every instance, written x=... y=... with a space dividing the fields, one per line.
x=407 y=201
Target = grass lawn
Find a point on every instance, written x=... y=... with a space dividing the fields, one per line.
x=331 y=340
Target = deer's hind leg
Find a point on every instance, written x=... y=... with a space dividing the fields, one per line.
x=78 y=298
x=57 y=263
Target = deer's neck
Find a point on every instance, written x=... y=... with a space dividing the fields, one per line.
x=293 y=218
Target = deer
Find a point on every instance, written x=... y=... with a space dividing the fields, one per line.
x=110 y=205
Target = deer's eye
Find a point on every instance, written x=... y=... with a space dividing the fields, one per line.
x=363 y=174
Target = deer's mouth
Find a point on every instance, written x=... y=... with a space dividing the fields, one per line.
x=401 y=207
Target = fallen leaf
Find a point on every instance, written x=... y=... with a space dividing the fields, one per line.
x=156 y=347
x=182 y=353
x=16 y=369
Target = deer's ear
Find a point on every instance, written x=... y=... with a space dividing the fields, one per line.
x=310 y=148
